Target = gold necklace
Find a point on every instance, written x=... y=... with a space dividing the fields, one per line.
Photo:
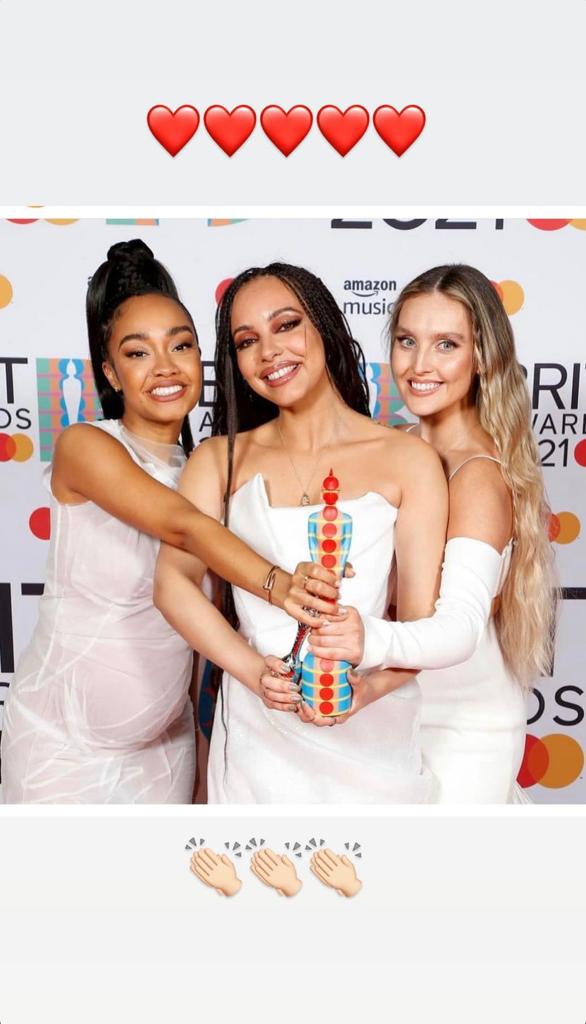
x=304 y=488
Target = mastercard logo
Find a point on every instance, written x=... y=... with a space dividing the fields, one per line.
x=17 y=447
x=555 y=225
x=60 y=221
x=511 y=295
x=564 y=527
x=5 y=291
x=553 y=761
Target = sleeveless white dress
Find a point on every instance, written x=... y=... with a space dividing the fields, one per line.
x=98 y=709
x=258 y=755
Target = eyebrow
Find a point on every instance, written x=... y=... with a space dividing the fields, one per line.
x=271 y=316
x=146 y=337
x=438 y=334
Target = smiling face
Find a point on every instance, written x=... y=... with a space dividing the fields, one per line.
x=432 y=355
x=279 y=351
x=153 y=357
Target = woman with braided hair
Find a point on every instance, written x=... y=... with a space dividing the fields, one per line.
x=292 y=402
x=98 y=710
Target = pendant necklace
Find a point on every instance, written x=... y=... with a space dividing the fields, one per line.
x=304 y=488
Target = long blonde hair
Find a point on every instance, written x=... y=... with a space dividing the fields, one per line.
x=525 y=620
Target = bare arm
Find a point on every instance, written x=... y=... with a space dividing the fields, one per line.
x=90 y=465
x=480 y=524
x=178 y=578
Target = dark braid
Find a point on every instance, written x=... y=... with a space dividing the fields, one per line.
x=129 y=270
x=238 y=408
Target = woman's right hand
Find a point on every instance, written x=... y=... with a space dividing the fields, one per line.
x=315 y=588
x=341 y=638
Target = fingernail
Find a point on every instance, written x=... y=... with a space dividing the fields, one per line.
x=342 y=610
x=296 y=698
x=294 y=687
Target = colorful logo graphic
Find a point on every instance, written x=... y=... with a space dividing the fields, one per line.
x=385 y=400
x=555 y=225
x=222 y=222
x=5 y=292
x=15 y=447
x=511 y=295
x=59 y=221
x=66 y=395
x=564 y=527
x=148 y=221
x=553 y=761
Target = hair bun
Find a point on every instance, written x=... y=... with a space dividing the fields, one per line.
x=129 y=251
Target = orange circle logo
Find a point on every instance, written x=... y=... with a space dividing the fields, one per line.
x=555 y=761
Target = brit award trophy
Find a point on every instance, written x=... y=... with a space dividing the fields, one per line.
x=324 y=683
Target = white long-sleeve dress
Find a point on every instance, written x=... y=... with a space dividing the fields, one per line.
x=98 y=709
x=473 y=720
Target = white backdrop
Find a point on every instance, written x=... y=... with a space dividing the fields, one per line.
x=539 y=267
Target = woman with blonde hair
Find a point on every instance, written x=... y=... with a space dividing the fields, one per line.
x=454 y=362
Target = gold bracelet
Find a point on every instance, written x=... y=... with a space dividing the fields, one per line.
x=270 y=582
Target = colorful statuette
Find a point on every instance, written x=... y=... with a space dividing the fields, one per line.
x=324 y=683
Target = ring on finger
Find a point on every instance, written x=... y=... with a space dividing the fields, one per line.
x=305 y=579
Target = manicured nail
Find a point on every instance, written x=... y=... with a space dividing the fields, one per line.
x=295 y=697
x=342 y=610
x=294 y=687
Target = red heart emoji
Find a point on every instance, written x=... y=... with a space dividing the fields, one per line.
x=286 y=130
x=229 y=130
x=343 y=130
x=399 y=130
x=173 y=130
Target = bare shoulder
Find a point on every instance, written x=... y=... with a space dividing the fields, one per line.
x=210 y=456
x=410 y=451
x=478 y=474
x=83 y=439
x=481 y=503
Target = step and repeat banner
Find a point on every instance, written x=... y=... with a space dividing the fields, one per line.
x=539 y=269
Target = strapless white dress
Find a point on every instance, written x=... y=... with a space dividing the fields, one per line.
x=262 y=756
x=98 y=710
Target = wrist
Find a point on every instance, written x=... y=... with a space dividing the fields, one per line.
x=294 y=888
x=232 y=887
x=352 y=888
x=280 y=587
x=253 y=670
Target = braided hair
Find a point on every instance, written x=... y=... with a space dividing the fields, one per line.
x=236 y=406
x=129 y=270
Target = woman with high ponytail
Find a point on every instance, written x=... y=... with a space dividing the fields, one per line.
x=454 y=363
x=98 y=710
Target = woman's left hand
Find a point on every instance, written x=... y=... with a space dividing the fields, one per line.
x=341 y=638
x=277 y=689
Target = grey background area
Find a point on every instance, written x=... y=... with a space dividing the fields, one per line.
x=502 y=86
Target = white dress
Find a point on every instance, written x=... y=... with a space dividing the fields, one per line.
x=98 y=710
x=259 y=755
x=474 y=721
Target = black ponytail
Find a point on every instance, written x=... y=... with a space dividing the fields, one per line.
x=129 y=270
